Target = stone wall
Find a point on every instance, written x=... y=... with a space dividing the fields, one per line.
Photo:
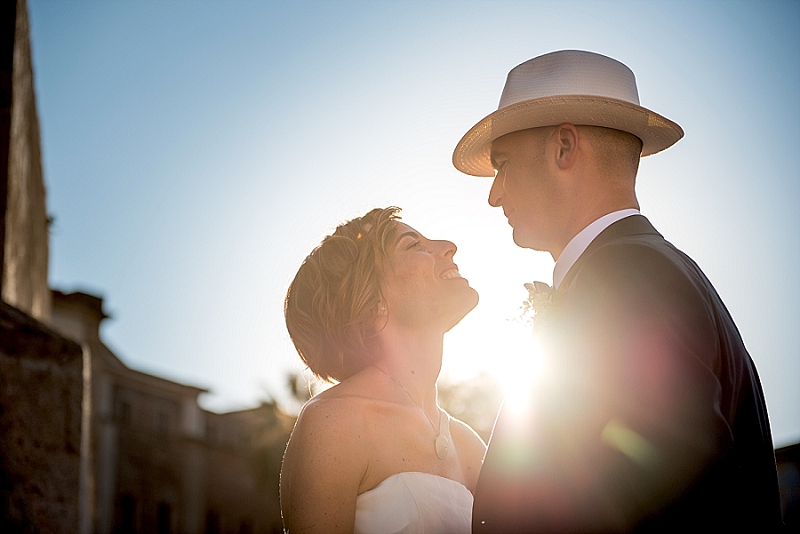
x=41 y=384
x=25 y=237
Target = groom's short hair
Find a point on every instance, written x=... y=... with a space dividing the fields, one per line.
x=616 y=149
x=332 y=304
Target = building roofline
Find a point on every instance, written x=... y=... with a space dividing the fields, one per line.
x=88 y=301
x=148 y=379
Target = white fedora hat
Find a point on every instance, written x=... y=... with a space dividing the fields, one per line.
x=581 y=88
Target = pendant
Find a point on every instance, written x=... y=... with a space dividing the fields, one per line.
x=442 y=446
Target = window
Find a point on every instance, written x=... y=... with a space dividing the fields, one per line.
x=127 y=514
x=163 y=519
x=212 y=522
x=124 y=413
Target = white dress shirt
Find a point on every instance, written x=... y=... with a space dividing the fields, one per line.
x=578 y=244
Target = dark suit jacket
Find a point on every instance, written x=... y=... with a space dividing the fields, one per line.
x=650 y=416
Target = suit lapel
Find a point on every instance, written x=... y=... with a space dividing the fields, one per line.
x=629 y=226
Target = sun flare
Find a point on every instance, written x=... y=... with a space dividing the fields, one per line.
x=523 y=372
x=507 y=350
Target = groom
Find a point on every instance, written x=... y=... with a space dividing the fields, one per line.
x=651 y=416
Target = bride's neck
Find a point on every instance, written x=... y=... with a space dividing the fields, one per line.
x=414 y=361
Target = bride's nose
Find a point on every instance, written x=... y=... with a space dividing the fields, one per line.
x=448 y=248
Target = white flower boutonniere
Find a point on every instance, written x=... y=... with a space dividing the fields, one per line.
x=536 y=307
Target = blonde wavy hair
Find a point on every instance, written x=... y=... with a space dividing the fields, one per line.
x=332 y=304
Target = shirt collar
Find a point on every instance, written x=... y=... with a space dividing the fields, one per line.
x=578 y=244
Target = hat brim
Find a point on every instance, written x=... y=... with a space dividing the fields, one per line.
x=472 y=154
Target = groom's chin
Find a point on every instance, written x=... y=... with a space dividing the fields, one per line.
x=527 y=240
x=521 y=238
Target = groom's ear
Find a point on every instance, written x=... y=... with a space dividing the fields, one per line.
x=567 y=139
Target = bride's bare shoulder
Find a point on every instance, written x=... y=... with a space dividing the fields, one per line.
x=332 y=431
x=348 y=402
x=358 y=389
x=327 y=454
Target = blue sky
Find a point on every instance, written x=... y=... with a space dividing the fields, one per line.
x=195 y=152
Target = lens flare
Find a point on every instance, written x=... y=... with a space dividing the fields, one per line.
x=521 y=373
x=617 y=435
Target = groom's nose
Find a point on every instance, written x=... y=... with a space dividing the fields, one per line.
x=496 y=192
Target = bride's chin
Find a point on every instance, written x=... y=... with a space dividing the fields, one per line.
x=473 y=300
x=466 y=307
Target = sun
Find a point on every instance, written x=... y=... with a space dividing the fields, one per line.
x=505 y=349
x=522 y=374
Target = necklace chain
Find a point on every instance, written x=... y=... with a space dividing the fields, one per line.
x=441 y=442
x=436 y=430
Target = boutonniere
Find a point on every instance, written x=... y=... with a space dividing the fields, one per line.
x=536 y=308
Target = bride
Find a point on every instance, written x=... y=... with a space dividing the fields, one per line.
x=375 y=453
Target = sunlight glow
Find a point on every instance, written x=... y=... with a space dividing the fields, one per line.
x=506 y=349
x=522 y=372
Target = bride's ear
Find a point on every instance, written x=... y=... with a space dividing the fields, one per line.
x=381 y=318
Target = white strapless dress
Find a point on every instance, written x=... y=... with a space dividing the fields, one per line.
x=414 y=503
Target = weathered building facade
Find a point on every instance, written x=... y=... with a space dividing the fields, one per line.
x=41 y=387
x=42 y=375
x=23 y=226
x=160 y=463
x=88 y=445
